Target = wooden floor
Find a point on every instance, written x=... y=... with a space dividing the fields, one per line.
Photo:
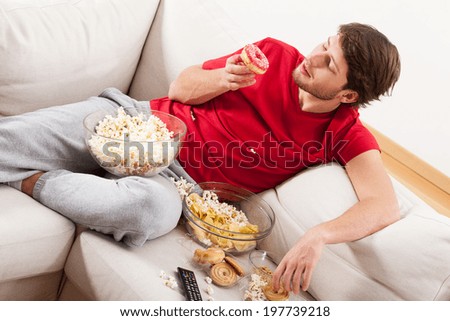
x=421 y=178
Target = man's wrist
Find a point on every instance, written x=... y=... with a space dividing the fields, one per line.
x=322 y=233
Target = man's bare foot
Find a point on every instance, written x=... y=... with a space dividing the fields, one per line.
x=28 y=183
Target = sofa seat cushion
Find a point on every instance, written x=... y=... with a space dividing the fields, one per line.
x=58 y=52
x=103 y=269
x=34 y=241
x=408 y=260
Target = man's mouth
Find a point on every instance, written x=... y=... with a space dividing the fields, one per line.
x=304 y=69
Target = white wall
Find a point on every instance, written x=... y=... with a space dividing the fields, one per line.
x=418 y=113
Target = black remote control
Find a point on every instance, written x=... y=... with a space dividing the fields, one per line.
x=191 y=289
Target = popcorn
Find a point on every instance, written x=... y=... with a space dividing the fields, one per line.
x=258 y=280
x=171 y=283
x=209 y=290
x=168 y=280
x=255 y=286
x=183 y=186
x=132 y=145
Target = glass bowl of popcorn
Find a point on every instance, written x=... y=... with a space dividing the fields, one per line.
x=127 y=142
x=225 y=216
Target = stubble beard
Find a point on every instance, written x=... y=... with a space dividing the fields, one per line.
x=318 y=93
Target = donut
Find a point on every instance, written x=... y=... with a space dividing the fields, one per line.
x=254 y=59
x=235 y=265
x=211 y=255
x=223 y=274
x=271 y=295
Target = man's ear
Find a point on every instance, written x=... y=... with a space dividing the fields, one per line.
x=349 y=96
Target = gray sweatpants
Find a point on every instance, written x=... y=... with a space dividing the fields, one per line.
x=133 y=209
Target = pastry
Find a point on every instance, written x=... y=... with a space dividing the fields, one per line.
x=212 y=255
x=271 y=295
x=254 y=59
x=223 y=274
x=235 y=265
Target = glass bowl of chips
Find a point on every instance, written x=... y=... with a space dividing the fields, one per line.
x=225 y=216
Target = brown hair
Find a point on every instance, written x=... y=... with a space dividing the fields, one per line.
x=373 y=61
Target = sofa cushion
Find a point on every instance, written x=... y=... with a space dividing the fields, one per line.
x=34 y=241
x=184 y=33
x=407 y=260
x=58 y=52
x=102 y=269
x=36 y=288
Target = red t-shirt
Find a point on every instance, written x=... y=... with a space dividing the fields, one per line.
x=257 y=137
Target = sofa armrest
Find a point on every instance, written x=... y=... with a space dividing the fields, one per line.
x=34 y=241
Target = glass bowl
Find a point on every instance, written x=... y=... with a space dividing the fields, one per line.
x=212 y=228
x=260 y=259
x=121 y=153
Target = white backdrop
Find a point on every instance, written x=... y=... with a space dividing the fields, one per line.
x=418 y=113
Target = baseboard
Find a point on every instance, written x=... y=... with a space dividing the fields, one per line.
x=427 y=182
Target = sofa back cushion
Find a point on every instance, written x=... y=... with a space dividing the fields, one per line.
x=61 y=51
x=184 y=33
x=408 y=260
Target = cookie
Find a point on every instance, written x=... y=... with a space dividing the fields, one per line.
x=271 y=295
x=239 y=270
x=223 y=274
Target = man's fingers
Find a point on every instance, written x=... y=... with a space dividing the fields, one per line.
x=237 y=74
x=277 y=276
x=240 y=78
x=235 y=82
x=234 y=59
x=238 y=70
x=307 y=278
x=234 y=65
x=287 y=277
x=293 y=278
x=296 y=279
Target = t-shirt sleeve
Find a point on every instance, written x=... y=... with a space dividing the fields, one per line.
x=355 y=141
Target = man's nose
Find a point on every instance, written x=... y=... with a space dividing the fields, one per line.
x=320 y=59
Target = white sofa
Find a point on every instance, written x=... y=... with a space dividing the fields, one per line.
x=59 y=51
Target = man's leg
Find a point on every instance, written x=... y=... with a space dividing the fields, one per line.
x=53 y=138
x=37 y=146
x=133 y=209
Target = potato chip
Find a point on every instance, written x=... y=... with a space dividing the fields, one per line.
x=224 y=219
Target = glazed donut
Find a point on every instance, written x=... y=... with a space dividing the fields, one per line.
x=212 y=255
x=271 y=295
x=223 y=274
x=254 y=59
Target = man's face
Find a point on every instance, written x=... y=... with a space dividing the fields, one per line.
x=323 y=73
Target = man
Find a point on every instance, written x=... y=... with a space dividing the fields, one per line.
x=301 y=100
x=251 y=131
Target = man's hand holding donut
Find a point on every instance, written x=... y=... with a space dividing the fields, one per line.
x=236 y=75
x=195 y=85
